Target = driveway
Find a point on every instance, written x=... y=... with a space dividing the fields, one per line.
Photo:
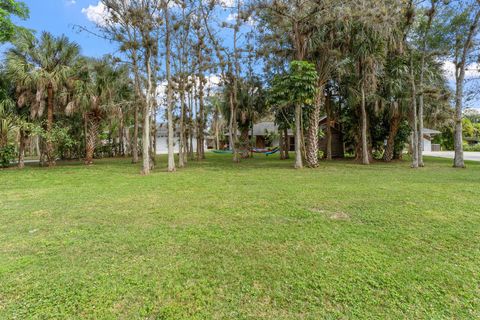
x=471 y=156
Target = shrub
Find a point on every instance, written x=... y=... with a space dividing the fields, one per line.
x=7 y=155
x=474 y=148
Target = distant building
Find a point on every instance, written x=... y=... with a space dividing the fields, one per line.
x=162 y=139
x=428 y=135
x=266 y=135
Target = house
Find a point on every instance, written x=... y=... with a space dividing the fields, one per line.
x=428 y=135
x=162 y=140
x=338 y=146
x=265 y=135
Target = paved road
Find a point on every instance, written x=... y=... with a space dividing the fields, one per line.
x=471 y=156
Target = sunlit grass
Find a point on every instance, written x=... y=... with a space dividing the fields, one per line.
x=258 y=240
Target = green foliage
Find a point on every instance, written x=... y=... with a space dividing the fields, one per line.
x=403 y=135
x=9 y=8
x=298 y=86
x=59 y=135
x=474 y=148
x=270 y=137
x=468 y=128
x=7 y=155
x=445 y=140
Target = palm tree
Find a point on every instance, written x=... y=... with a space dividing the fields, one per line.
x=44 y=64
x=99 y=86
x=6 y=105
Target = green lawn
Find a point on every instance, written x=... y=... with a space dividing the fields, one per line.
x=257 y=240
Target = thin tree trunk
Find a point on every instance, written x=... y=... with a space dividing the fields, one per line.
x=365 y=157
x=201 y=123
x=298 y=137
x=217 y=132
x=281 y=142
x=190 y=125
x=420 y=130
x=21 y=149
x=37 y=147
x=287 y=143
x=328 y=155
x=50 y=109
x=458 y=137
x=414 y=138
x=233 y=128
x=153 y=138
x=181 y=147
x=135 y=135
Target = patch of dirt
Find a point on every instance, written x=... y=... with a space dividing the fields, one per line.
x=341 y=216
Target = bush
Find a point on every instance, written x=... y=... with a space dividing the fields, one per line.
x=7 y=155
x=474 y=148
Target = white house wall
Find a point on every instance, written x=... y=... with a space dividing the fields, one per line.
x=162 y=145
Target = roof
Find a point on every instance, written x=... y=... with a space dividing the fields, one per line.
x=260 y=129
x=430 y=131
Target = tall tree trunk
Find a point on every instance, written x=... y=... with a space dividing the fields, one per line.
x=201 y=123
x=244 y=143
x=21 y=149
x=390 y=147
x=135 y=135
x=233 y=129
x=298 y=137
x=328 y=154
x=50 y=108
x=217 y=132
x=458 y=137
x=181 y=147
x=312 y=132
x=92 y=134
x=414 y=138
x=460 y=66
x=282 y=146
x=420 y=130
x=3 y=138
x=365 y=156
x=190 y=125
x=121 y=141
x=153 y=138
x=431 y=15
x=147 y=165
x=171 y=125
x=37 y=147
x=287 y=143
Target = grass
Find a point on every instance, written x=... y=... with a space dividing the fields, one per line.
x=257 y=240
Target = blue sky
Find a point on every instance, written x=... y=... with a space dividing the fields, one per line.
x=60 y=17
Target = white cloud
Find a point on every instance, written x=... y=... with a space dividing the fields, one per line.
x=232 y=17
x=70 y=2
x=213 y=83
x=473 y=70
x=227 y=3
x=97 y=14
